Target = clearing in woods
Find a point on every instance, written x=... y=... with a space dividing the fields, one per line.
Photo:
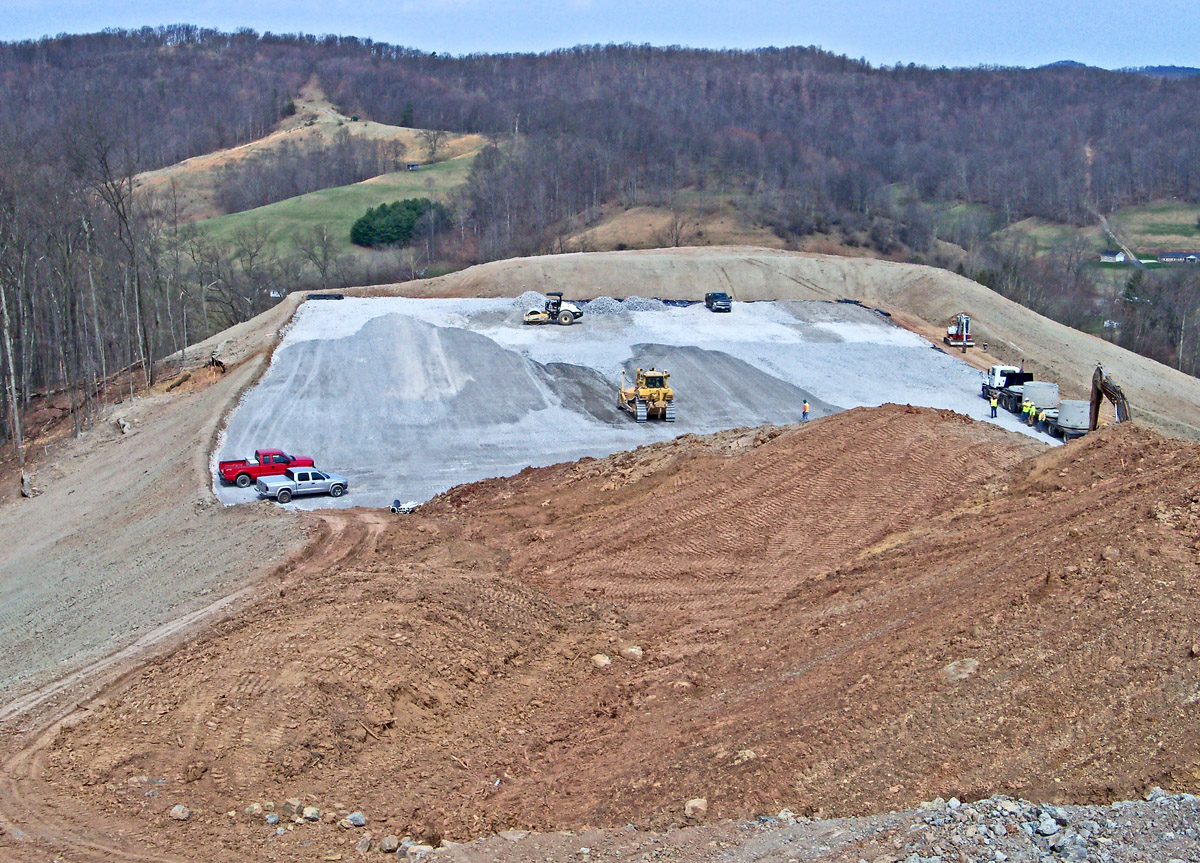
x=194 y=181
x=339 y=207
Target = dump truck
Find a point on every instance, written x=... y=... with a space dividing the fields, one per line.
x=648 y=395
x=556 y=311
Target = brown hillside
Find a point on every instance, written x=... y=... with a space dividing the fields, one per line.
x=882 y=606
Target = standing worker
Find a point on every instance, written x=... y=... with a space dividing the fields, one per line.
x=1042 y=420
x=992 y=404
x=804 y=416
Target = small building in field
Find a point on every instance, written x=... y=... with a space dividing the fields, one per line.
x=1178 y=257
x=412 y=166
x=1112 y=256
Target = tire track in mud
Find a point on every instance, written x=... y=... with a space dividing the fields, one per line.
x=773 y=511
x=35 y=819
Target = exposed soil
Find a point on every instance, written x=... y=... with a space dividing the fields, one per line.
x=640 y=227
x=880 y=607
x=123 y=537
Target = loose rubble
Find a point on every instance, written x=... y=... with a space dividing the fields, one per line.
x=179 y=812
x=602 y=306
x=530 y=300
x=642 y=304
x=1161 y=829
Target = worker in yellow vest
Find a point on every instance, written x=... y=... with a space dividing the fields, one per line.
x=1025 y=411
x=1042 y=420
x=992 y=403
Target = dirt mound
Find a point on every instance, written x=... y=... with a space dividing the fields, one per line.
x=921 y=298
x=871 y=610
x=879 y=607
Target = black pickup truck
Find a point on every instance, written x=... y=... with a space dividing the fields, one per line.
x=718 y=301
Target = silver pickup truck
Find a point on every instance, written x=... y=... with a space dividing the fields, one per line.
x=302 y=480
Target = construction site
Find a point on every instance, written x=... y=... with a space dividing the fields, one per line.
x=640 y=608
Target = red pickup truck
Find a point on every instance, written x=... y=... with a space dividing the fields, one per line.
x=268 y=462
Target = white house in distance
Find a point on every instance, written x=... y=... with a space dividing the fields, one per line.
x=1112 y=256
x=1178 y=257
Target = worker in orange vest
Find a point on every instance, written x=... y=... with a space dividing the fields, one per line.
x=804 y=416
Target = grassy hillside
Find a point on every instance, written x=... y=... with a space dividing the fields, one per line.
x=1147 y=229
x=1163 y=225
x=339 y=207
x=316 y=122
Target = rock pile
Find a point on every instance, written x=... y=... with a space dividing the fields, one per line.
x=643 y=304
x=530 y=300
x=602 y=306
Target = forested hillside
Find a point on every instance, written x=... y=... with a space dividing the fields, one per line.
x=816 y=133
x=96 y=279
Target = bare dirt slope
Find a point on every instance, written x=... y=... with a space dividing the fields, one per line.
x=882 y=606
x=125 y=536
x=925 y=297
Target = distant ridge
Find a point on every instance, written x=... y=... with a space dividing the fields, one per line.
x=1164 y=71
x=1149 y=71
x=1068 y=64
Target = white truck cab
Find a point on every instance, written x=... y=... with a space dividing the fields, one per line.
x=996 y=374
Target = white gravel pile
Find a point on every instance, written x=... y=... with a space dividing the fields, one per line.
x=530 y=300
x=643 y=304
x=604 y=306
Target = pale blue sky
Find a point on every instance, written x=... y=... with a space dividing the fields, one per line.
x=1104 y=33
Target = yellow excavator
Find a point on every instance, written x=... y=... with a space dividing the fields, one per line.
x=1104 y=387
x=648 y=396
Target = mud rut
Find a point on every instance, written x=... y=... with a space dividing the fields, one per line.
x=52 y=822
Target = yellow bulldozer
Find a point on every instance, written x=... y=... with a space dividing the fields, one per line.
x=648 y=396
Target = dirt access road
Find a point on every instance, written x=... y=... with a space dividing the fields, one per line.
x=124 y=537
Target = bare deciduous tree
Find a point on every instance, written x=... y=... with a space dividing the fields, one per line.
x=318 y=246
x=433 y=139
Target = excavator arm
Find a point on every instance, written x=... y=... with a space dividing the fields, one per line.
x=1103 y=388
